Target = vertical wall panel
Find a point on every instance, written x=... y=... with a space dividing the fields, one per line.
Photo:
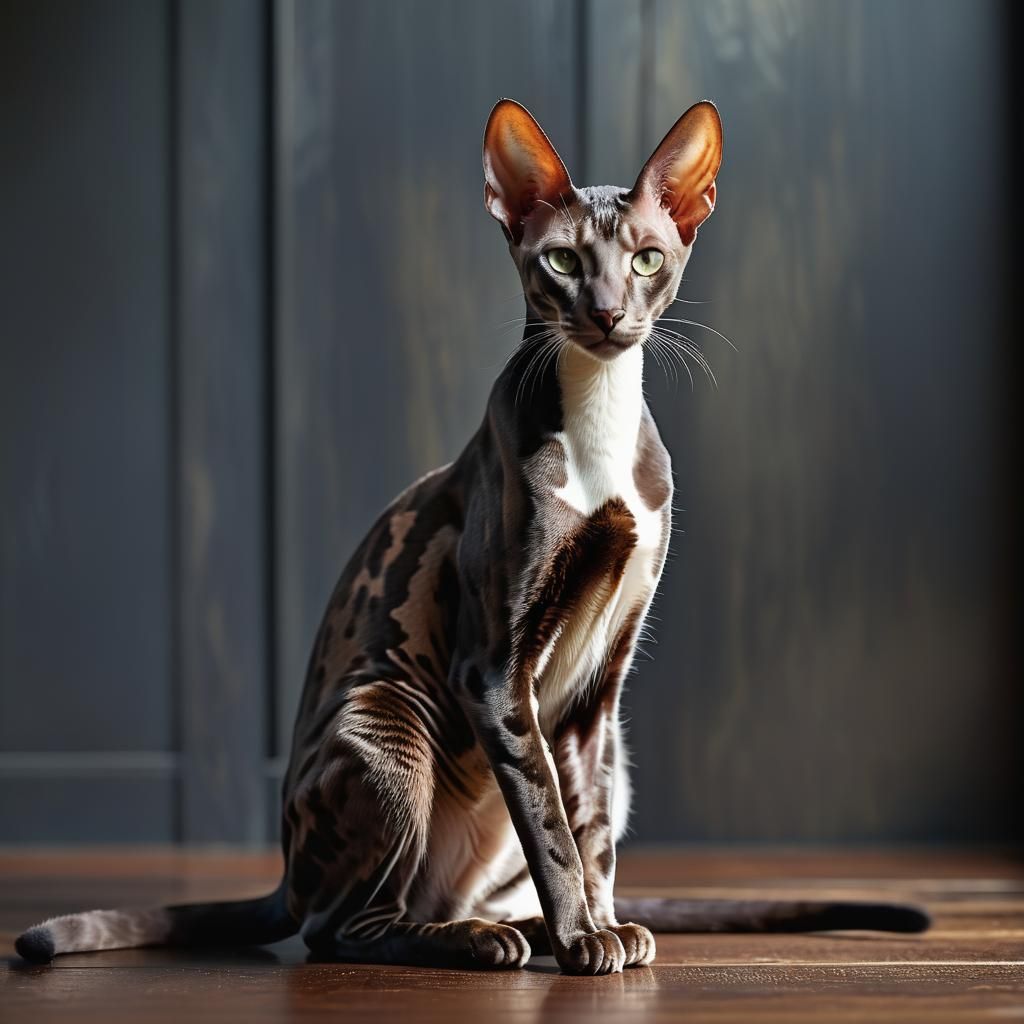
x=85 y=640
x=618 y=66
x=221 y=260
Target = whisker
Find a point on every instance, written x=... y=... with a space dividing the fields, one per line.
x=568 y=215
x=673 y=344
x=535 y=364
x=670 y=362
x=700 y=360
x=695 y=323
x=524 y=345
x=554 y=350
x=540 y=345
x=657 y=357
x=678 y=357
x=509 y=327
x=675 y=340
x=685 y=365
x=553 y=347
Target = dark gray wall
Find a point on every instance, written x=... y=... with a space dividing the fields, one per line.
x=86 y=684
x=208 y=387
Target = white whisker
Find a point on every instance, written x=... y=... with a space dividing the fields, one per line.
x=675 y=341
x=695 y=323
x=540 y=345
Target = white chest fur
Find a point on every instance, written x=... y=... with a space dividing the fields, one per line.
x=602 y=404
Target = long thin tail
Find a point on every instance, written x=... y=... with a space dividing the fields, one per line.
x=676 y=915
x=242 y=922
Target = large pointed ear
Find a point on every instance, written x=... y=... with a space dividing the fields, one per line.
x=681 y=173
x=521 y=167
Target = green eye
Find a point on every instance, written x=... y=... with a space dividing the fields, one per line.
x=648 y=261
x=562 y=261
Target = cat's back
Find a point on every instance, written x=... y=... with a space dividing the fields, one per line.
x=393 y=611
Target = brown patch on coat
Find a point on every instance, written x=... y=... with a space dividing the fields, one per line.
x=592 y=555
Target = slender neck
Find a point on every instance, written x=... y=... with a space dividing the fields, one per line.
x=602 y=401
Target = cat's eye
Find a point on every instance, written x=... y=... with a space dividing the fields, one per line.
x=648 y=261
x=562 y=261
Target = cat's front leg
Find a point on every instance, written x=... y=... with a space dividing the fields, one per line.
x=504 y=718
x=587 y=761
x=588 y=756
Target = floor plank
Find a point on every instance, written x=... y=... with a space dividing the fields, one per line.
x=969 y=967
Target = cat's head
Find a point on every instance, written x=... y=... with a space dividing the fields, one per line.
x=602 y=263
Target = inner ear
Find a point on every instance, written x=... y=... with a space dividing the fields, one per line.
x=521 y=167
x=681 y=173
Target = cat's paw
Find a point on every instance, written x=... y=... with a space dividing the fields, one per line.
x=498 y=946
x=599 y=952
x=638 y=943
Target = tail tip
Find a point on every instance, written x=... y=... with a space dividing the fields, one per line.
x=908 y=918
x=886 y=917
x=36 y=945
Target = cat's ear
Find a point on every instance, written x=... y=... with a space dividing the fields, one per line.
x=681 y=173
x=521 y=167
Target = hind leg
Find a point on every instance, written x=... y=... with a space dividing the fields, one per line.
x=357 y=913
x=472 y=943
x=365 y=923
x=357 y=820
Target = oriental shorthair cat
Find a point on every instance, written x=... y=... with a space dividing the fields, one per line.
x=458 y=781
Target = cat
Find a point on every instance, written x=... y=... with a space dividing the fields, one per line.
x=458 y=780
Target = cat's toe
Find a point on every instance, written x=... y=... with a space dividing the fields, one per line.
x=638 y=943
x=599 y=952
x=498 y=946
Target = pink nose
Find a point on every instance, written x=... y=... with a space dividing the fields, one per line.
x=606 y=319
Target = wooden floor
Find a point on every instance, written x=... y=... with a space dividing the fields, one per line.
x=969 y=967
